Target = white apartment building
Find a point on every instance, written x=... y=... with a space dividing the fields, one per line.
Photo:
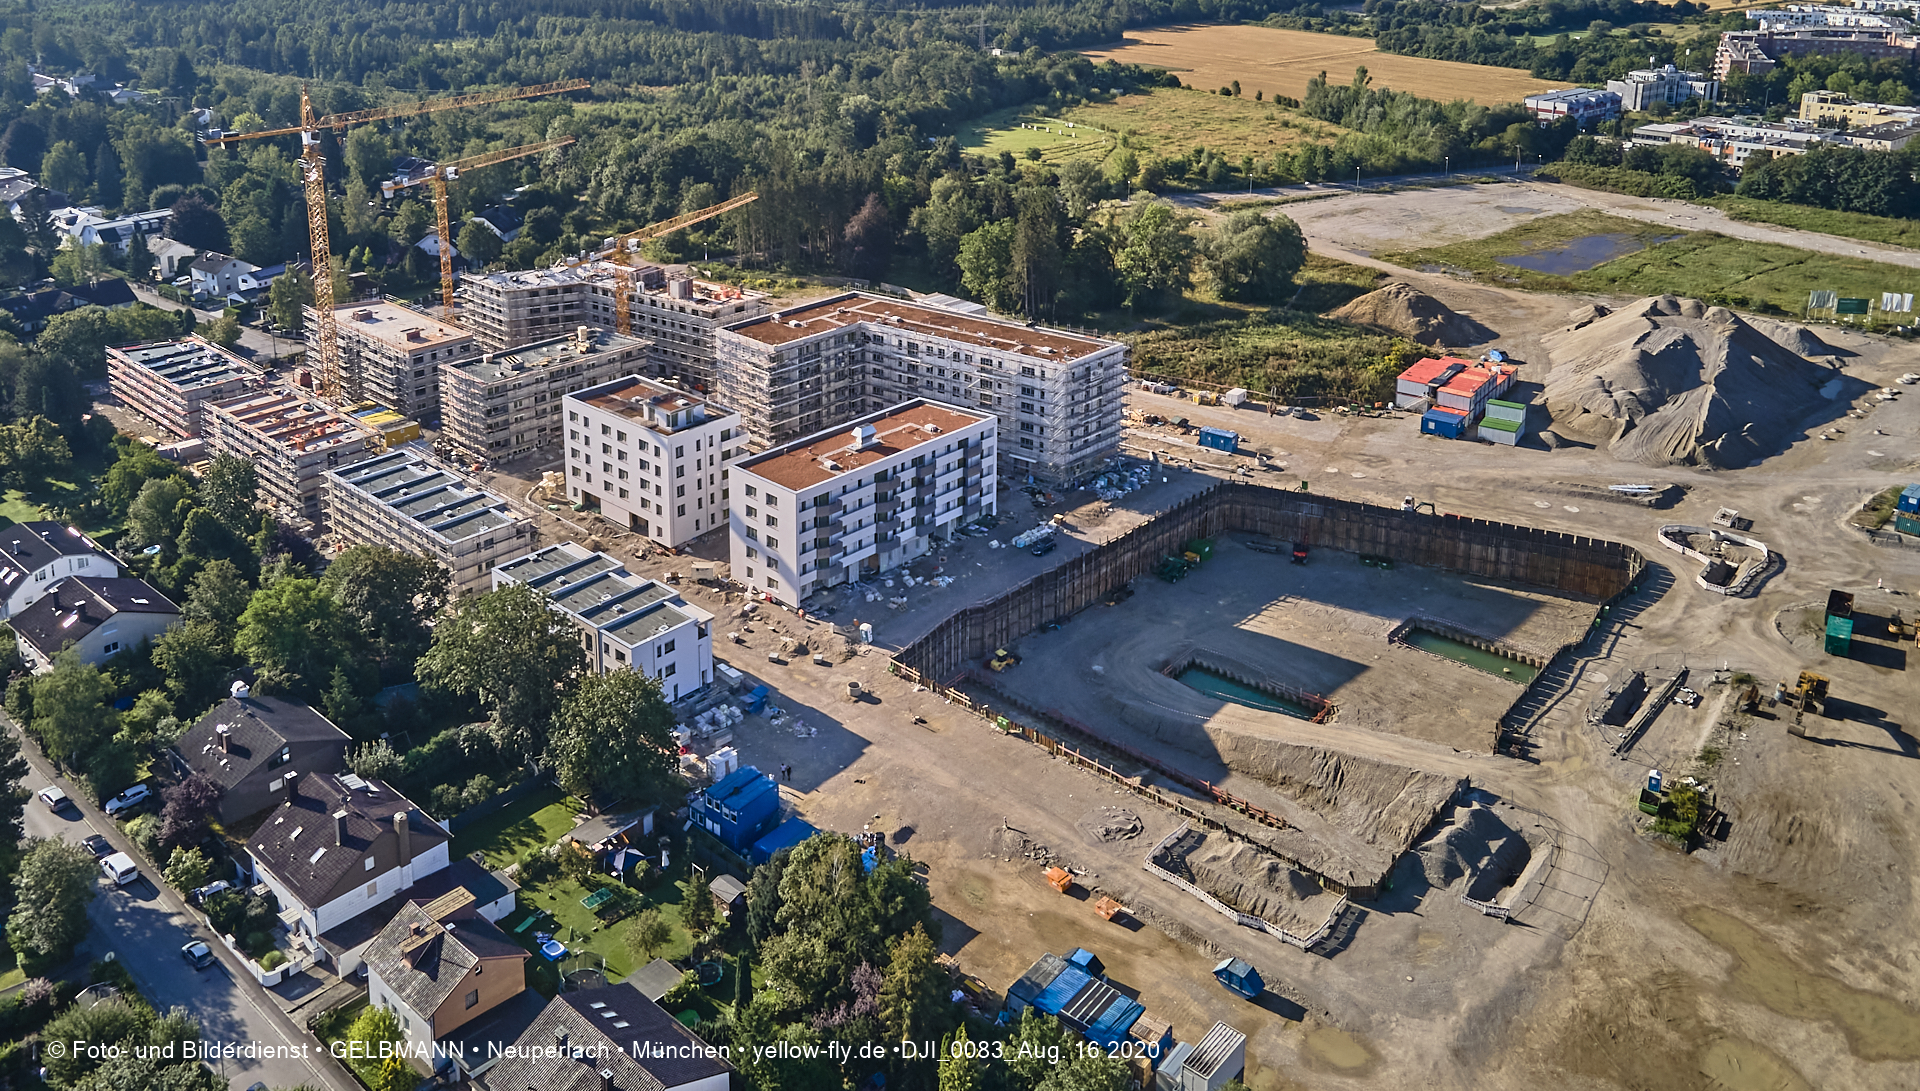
x=406 y=502
x=626 y=622
x=293 y=439
x=393 y=355
x=506 y=405
x=172 y=382
x=674 y=311
x=819 y=365
x=1643 y=87
x=651 y=457
x=855 y=501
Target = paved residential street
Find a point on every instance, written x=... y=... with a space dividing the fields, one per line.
x=255 y=344
x=145 y=925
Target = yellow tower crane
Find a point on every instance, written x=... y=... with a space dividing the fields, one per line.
x=439 y=176
x=622 y=249
x=312 y=167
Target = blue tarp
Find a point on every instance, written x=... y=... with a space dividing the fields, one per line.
x=786 y=835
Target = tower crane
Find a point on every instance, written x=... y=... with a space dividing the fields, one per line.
x=621 y=249
x=312 y=167
x=439 y=176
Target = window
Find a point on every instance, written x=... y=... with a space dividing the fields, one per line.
x=111 y=647
x=773 y=543
x=623 y=492
x=620 y=437
x=772 y=584
x=679 y=471
x=752 y=554
x=373 y=889
x=369 y=864
x=680 y=451
x=752 y=535
x=473 y=997
x=619 y=656
x=752 y=511
x=605 y=430
x=573 y=416
x=772 y=522
x=683 y=509
x=751 y=491
x=679 y=490
x=283 y=757
x=665 y=649
x=606 y=448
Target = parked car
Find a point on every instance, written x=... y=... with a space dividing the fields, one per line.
x=128 y=800
x=119 y=869
x=198 y=955
x=98 y=845
x=1046 y=546
x=55 y=799
x=200 y=895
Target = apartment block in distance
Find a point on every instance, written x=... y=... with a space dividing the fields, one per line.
x=674 y=311
x=293 y=439
x=819 y=365
x=626 y=622
x=504 y=405
x=853 y=502
x=651 y=457
x=172 y=382
x=393 y=355
x=409 y=503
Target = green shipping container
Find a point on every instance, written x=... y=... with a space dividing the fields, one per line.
x=1201 y=546
x=1839 y=636
x=1907 y=524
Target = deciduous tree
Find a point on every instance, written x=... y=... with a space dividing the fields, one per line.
x=294 y=634
x=1253 y=258
x=647 y=935
x=512 y=652
x=230 y=489
x=70 y=714
x=56 y=881
x=391 y=597
x=614 y=736
x=190 y=806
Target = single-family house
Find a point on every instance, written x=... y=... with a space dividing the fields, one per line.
x=503 y=220
x=218 y=275
x=491 y=894
x=32 y=310
x=338 y=845
x=36 y=555
x=170 y=256
x=113 y=293
x=118 y=233
x=98 y=617
x=607 y=1039
x=257 y=281
x=430 y=242
x=248 y=744
x=440 y=966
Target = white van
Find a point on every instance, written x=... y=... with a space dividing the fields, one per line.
x=119 y=869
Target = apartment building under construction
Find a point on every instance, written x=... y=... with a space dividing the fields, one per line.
x=172 y=382
x=505 y=405
x=405 y=501
x=393 y=355
x=293 y=439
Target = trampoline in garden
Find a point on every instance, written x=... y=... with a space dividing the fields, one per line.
x=710 y=973
x=583 y=979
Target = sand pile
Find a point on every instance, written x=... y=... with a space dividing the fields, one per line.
x=1479 y=847
x=1672 y=381
x=1259 y=884
x=1414 y=314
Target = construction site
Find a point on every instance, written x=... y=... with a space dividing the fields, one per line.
x=1497 y=767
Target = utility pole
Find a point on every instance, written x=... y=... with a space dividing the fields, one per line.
x=982 y=28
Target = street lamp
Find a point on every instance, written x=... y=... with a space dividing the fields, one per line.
x=1447 y=160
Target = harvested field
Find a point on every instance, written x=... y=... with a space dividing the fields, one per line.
x=1282 y=61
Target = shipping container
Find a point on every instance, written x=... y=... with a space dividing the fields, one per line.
x=1513 y=411
x=1839 y=636
x=1500 y=431
x=1839 y=604
x=1909 y=501
x=1235 y=398
x=1220 y=439
x=1907 y=524
x=1200 y=547
x=1441 y=421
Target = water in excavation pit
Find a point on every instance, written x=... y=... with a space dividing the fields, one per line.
x=1226 y=689
x=1334 y=1048
x=1480 y=659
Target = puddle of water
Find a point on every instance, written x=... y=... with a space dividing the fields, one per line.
x=1739 y=1065
x=1877 y=1028
x=1226 y=689
x=1494 y=664
x=1517 y=210
x=1335 y=1047
x=1581 y=254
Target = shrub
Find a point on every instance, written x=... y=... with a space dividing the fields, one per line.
x=272 y=960
x=144 y=832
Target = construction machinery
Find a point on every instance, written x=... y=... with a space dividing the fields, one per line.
x=1809 y=695
x=620 y=250
x=1002 y=659
x=442 y=173
x=313 y=173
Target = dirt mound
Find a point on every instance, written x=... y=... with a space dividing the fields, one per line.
x=1414 y=314
x=1671 y=381
x=1797 y=339
x=1260 y=884
x=1587 y=316
x=1478 y=847
x=1107 y=824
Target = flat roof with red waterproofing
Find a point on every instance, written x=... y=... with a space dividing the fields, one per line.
x=1428 y=370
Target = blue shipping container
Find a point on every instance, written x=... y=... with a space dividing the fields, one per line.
x=1441 y=423
x=1910 y=499
x=1220 y=439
